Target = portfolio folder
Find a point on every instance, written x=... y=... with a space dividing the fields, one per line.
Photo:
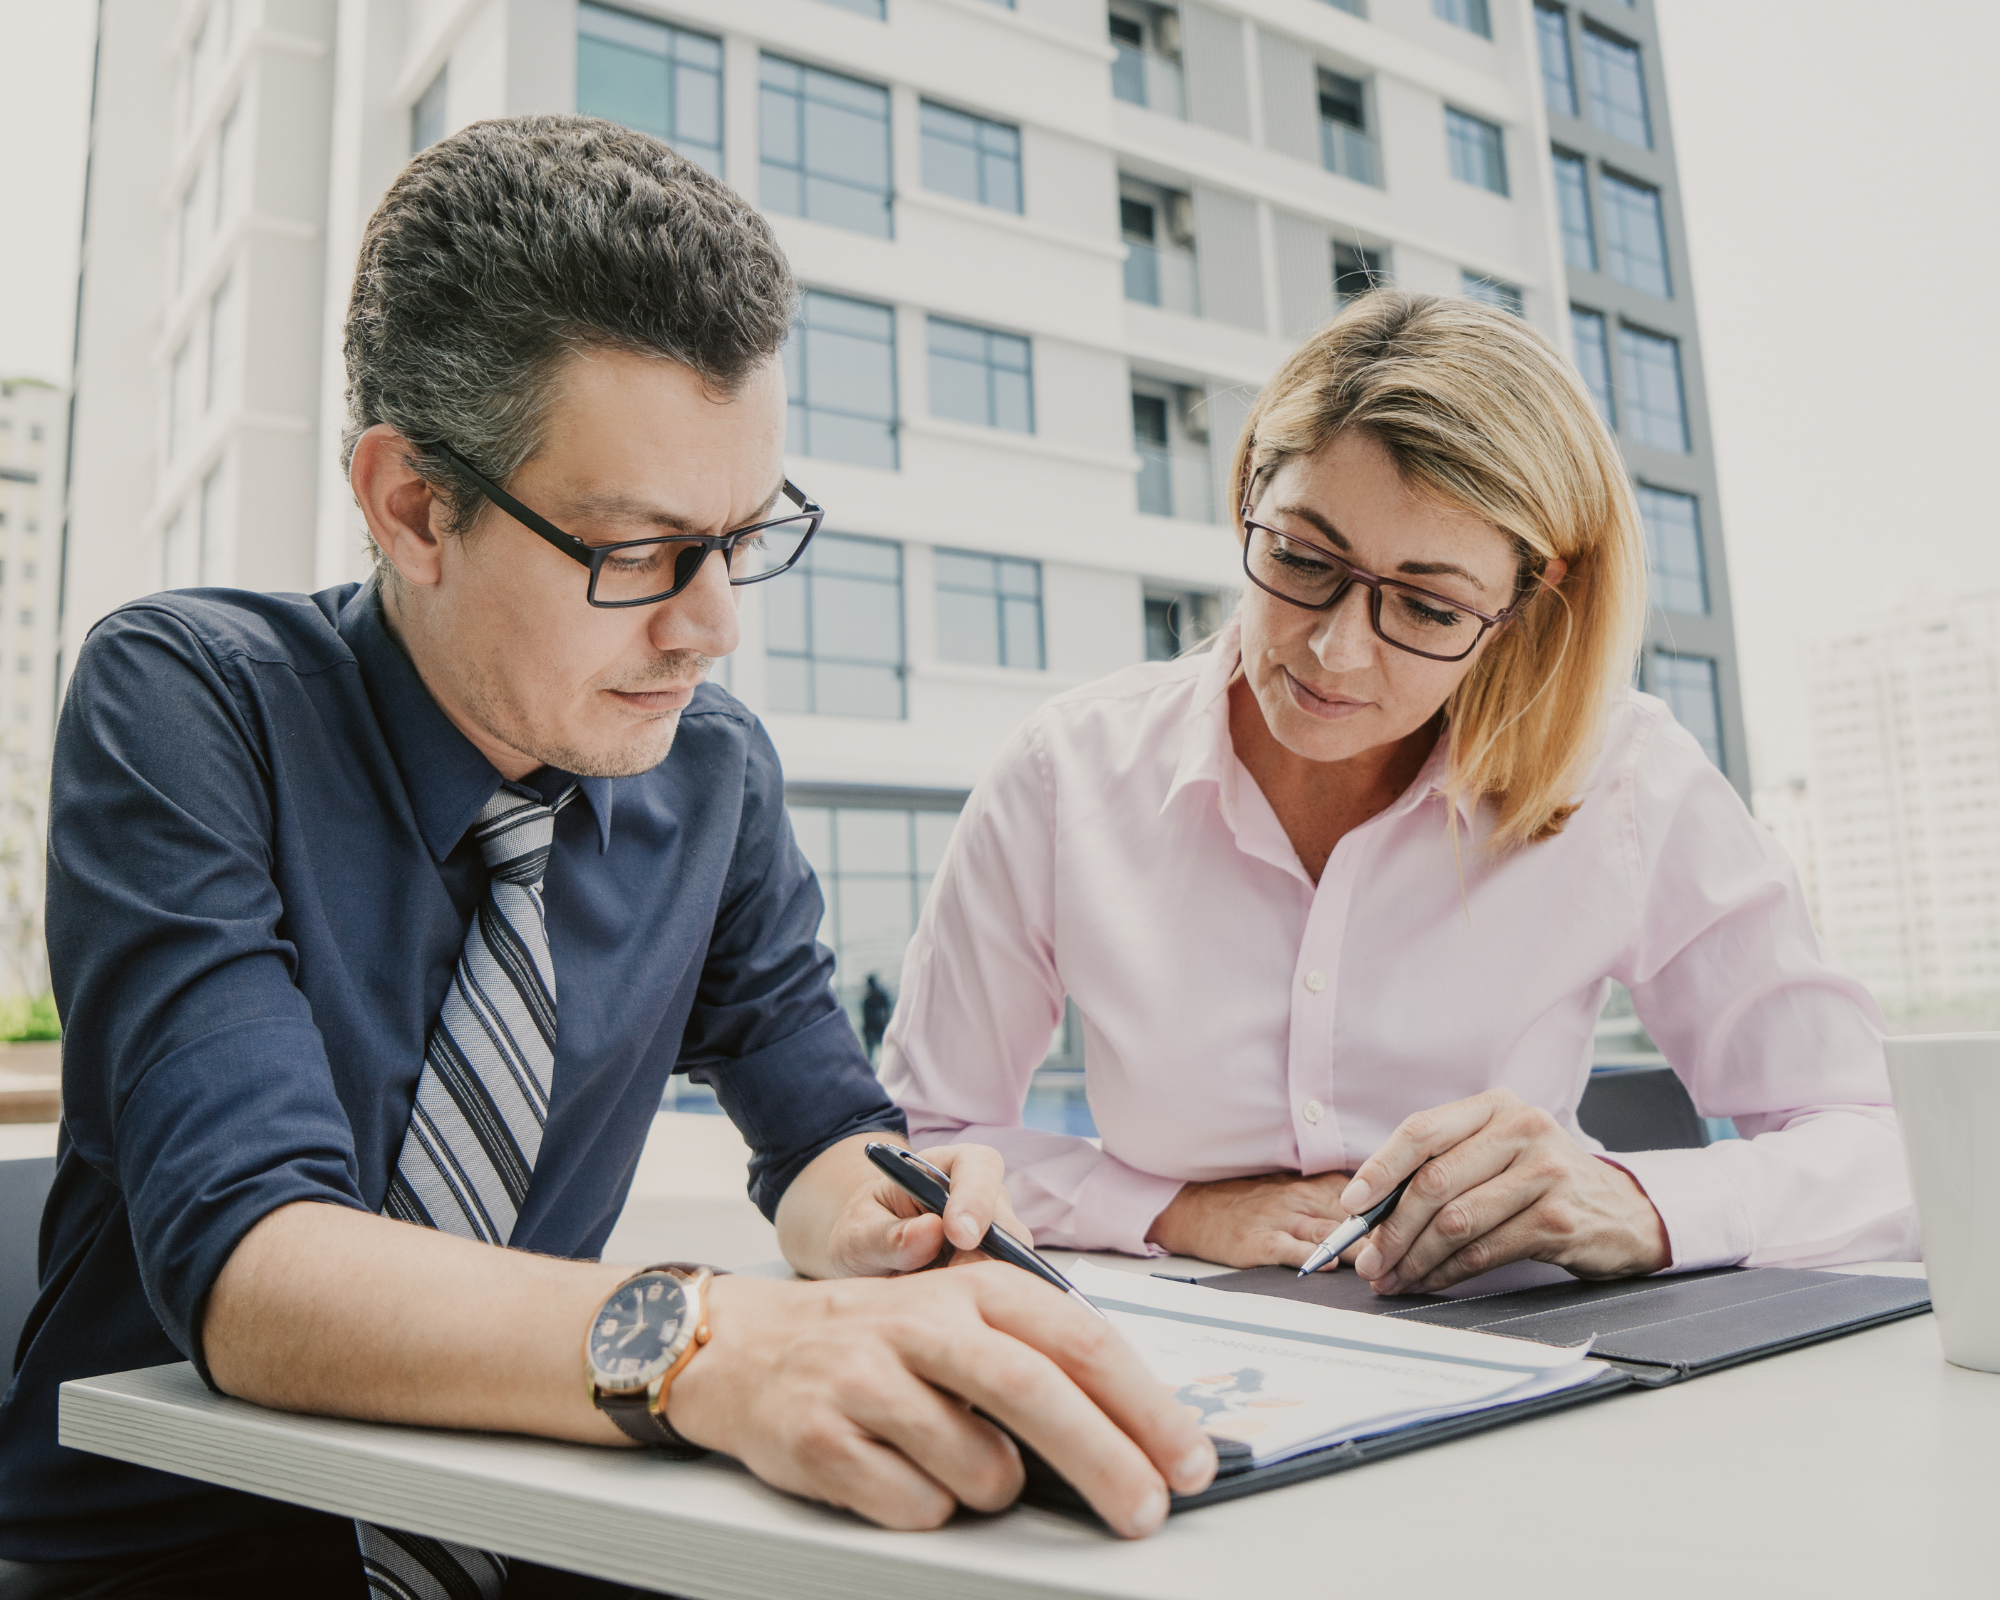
x=1647 y=1332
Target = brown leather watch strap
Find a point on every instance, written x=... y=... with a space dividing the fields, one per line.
x=633 y=1411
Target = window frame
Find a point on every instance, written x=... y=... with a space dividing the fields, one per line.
x=1000 y=597
x=1461 y=128
x=799 y=406
x=808 y=575
x=925 y=135
x=803 y=171
x=989 y=341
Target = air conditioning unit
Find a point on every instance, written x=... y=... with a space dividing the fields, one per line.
x=1167 y=30
x=1180 y=218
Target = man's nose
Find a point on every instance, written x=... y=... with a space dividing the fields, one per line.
x=702 y=616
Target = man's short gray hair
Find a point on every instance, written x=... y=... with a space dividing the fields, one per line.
x=501 y=250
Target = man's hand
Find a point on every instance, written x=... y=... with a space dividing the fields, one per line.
x=1275 y=1220
x=843 y=1218
x=1503 y=1183
x=866 y=1394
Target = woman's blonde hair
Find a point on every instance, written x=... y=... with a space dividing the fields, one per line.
x=1479 y=410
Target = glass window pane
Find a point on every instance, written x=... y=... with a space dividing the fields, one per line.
x=856 y=558
x=1021 y=631
x=853 y=439
x=956 y=339
x=951 y=168
x=780 y=74
x=958 y=571
x=1478 y=151
x=1673 y=550
x=1635 y=239
x=873 y=841
x=841 y=689
x=622 y=28
x=1558 y=73
x=787 y=683
x=1013 y=402
x=1655 y=410
x=812 y=826
x=845 y=373
x=698 y=105
x=1687 y=684
x=876 y=920
x=1593 y=360
x=861 y=317
x=1009 y=351
x=1021 y=578
x=854 y=619
x=778 y=127
x=785 y=613
x=841 y=143
x=968 y=627
x=622 y=84
x=1615 y=88
x=947 y=123
x=1573 y=206
x=779 y=189
x=933 y=834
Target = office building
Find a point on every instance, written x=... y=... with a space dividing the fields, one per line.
x=34 y=419
x=1050 y=249
x=1904 y=801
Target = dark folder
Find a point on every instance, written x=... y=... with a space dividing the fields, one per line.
x=1648 y=1331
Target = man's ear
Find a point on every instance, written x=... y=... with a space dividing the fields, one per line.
x=403 y=513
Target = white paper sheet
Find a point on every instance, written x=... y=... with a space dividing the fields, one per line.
x=1283 y=1378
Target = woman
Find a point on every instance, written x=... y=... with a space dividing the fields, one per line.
x=1344 y=895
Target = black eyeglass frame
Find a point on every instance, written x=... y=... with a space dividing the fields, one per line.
x=593 y=556
x=1375 y=585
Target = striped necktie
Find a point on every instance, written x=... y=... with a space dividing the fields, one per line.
x=476 y=1127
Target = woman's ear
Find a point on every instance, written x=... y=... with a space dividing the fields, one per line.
x=1554 y=573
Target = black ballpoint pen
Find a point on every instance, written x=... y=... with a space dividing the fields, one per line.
x=930 y=1188
x=1354 y=1228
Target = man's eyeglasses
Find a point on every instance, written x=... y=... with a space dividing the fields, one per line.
x=1425 y=624
x=637 y=572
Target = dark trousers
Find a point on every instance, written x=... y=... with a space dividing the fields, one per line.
x=322 y=1564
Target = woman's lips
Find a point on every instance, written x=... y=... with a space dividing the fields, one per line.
x=1329 y=708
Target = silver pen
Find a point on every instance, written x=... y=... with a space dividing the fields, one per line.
x=1354 y=1228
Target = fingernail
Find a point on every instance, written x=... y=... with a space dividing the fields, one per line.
x=1151 y=1513
x=964 y=1234
x=1354 y=1196
x=1195 y=1468
x=1369 y=1262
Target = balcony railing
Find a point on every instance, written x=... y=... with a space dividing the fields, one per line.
x=1348 y=151
x=1142 y=78
x=1163 y=276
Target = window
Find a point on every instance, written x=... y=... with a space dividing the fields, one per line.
x=825 y=147
x=1673 y=550
x=227 y=162
x=1558 y=71
x=1146 y=65
x=1573 y=210
x=1170 y=437
x=1354 y=8
x=981 y=377
x=222 y=342
x=1344 y=144
x=1687 y=684
x=1356 y=270
x=1174 y=622
x=1635 y=238
x=861 y=8
x=658 y=79
x=181 y=408
x=1157 y=226
x=427 y=115
x=1655 y=409
x=184 y=237
x=1615 y=89
x=1472 y=15
x=840 y=372
x=972 y=157
x=1492 y=291
x=835 y=636
x=1478 y=152
x=875 y=862
x=989 y=610
x=1593 y=360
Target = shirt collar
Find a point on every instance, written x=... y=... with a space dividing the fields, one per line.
x=1208 y=756
x=446 y=777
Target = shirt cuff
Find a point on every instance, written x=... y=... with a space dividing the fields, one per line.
x=1121 y=1203
x=1706 y=1223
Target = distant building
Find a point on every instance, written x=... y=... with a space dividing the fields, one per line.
x=1904 y=799
x=1786 y=809
x=1050 y=249
x=33 y=429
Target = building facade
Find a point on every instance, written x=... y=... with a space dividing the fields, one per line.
x=34 y=418
x=1049 y=248
x=1903 y=797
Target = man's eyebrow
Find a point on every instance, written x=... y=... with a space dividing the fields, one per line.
x=1415 y=569
x=610 y=505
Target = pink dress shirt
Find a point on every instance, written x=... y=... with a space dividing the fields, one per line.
x=1239 y=1019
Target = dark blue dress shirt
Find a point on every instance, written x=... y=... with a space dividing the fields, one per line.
x=259 y=885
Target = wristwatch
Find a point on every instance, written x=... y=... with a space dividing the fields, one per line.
x=638 y=1342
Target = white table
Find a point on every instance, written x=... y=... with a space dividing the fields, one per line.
x=1864 y=1466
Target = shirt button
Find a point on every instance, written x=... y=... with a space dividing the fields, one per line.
x=1315 y=981
x=1312 y=1110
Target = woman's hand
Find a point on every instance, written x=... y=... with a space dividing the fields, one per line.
x=1501 y=1181
x=1275 y=1220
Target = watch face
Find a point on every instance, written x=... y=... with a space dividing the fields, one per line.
x=632 y=1342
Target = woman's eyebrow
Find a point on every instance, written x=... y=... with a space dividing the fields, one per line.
x=1415 y=569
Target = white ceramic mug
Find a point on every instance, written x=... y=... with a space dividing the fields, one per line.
x=1947 y=1089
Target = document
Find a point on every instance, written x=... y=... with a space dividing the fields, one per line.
x=1274 y=1378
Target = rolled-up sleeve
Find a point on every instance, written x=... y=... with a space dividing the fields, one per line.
x=193 y=1075
x=981 y=997
x=1727 y=974
x=766 y=1031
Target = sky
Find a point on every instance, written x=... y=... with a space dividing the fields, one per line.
x=1836 y=161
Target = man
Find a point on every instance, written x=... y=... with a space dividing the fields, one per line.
x=875 y=1009
x=379 y=917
